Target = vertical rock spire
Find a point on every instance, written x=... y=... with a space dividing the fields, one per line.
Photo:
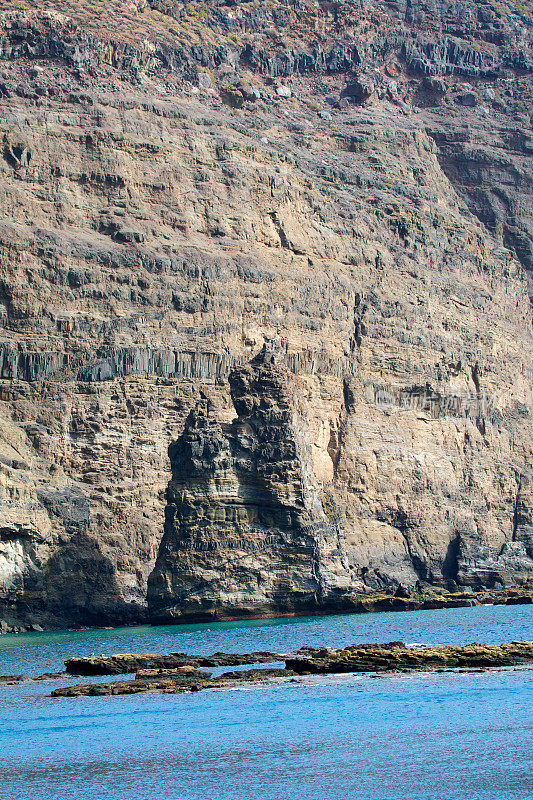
x=245 y=528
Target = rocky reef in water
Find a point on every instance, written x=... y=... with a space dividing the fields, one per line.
x=372 y=658
x=182 y=183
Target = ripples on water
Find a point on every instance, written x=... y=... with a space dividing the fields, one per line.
x=400 y=737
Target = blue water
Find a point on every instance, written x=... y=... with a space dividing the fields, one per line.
x=444 y=736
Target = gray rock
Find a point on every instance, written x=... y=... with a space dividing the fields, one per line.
x=359 y=90
x=468 y=99
x=204 y=80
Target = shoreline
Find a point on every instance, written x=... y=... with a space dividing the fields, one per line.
x=373 y=604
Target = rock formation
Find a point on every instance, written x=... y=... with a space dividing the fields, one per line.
x=124 y=663
x=390 y=657
x=180 y=183
x=246 y=532
x=396 y=656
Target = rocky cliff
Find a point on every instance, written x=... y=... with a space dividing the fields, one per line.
x=181 y=183
x=246 y=529
x=250 y=532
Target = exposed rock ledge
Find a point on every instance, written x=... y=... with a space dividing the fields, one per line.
x=389 y=657
x=396 y=656
x=123 y=663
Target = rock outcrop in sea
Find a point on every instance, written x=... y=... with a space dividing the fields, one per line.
x=373 y=658
x=181 y=183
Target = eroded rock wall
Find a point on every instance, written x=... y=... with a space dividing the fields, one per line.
x=174 y=195
x=246 y=533
x=410 y=509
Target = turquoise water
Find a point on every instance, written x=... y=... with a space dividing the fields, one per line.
x=442 y=736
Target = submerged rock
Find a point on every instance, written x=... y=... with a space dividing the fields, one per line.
x=186 y=673
x=11 y=679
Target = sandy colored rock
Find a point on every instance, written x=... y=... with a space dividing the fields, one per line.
x=246 y=532
x=152 y=238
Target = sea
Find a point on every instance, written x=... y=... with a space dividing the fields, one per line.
x=418 y=736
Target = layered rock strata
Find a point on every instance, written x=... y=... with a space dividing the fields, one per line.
x=179 y=184
x=246 y=531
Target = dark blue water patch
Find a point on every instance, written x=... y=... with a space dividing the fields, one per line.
x=438 y=736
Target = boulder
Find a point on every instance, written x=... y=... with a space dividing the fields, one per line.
x=393 y=69
x=204 y=80
x=468 y=99
x=232 y=96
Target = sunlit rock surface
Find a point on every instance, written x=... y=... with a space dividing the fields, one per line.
x=181 y=184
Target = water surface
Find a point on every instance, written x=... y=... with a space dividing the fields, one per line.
x=442 y=736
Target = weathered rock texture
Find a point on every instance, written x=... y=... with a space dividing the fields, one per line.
x=173 y=683
x=396 y=656
x=246 y=531
x=390 y=657
x=180 y=183
x=122 y=663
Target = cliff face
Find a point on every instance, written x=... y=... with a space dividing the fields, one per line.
x=249 y=532
x=179 y=185
x=246 y=531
